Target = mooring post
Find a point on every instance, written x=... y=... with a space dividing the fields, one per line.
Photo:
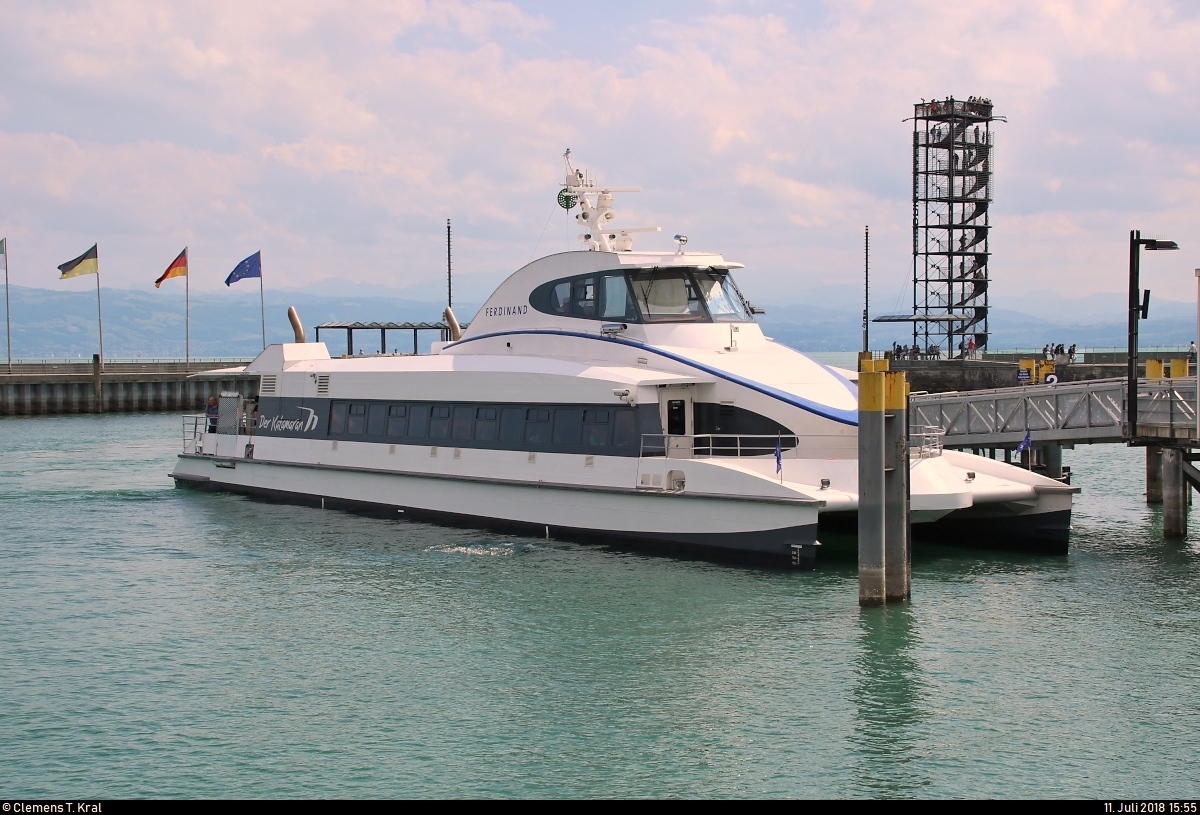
x=97 y=386
x=871 y=579
x=896 y=560
x=1154 y=475
x=1174 y=494
x=1053 y=459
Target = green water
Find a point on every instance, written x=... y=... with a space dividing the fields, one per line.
x=162 y=642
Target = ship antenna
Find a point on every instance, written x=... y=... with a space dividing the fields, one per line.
x=596 y=205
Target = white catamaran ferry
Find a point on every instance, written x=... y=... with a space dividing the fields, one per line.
x=609 y=394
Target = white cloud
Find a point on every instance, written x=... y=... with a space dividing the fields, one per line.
x=339 y=136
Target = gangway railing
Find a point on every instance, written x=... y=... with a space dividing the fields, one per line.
x=1087 y=412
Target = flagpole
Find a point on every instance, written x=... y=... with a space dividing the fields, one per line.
x=100 y=317
x=187 y=311
x=262 y=303
x=7 y=309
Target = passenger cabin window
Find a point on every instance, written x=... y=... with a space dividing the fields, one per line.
x=418 y=421
x=537 y=426
x=439 y=422
x=337 y=418
x=397 y=419
x=625 y=429
x=485 y=424
x=356 y=422
x=645 y=295
x=512 y=425
x=377 y=420
x=550 y=429
x=567 y=426
x=595 y=428
x=464 y=416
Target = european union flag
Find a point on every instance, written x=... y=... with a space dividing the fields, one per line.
x=250 y=267
x=1025 y=442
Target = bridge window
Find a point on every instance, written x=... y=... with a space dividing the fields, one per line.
x=618 y=299
x=667 y=295
x=724 y=301
x=583 y=297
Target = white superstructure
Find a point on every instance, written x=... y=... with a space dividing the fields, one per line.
x=608 y=393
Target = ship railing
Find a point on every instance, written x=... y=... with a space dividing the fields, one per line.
x=197 y=425
x=925 y=441
x=731 y=445
x=194 y=427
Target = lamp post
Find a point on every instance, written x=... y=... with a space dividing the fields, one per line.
x=1139 y=308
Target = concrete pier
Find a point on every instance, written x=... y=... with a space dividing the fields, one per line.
x=1174 y=494
x=897 y=553
x=872 y=586
x=1154 y=474
x=120 y=388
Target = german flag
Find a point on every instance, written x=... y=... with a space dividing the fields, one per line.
x=178 y=268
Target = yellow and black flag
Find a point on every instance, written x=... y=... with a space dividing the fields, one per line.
x=87 y=263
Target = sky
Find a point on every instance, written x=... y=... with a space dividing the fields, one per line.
x=338 y=137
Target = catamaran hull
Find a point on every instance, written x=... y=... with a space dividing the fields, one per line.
x=779 y=533
x=995 y=528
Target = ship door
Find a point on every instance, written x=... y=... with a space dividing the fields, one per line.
x=675 y=411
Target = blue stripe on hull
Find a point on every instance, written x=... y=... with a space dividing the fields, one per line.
x=847 y=417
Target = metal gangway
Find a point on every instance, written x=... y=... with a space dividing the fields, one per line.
x=1091 y=412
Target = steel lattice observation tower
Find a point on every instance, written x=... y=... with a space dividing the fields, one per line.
x=952 y=165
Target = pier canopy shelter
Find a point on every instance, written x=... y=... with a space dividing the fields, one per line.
x=383 y=328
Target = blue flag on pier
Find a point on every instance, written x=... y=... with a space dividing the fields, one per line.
x=1025 y=442
x=778 y=456
x=250 y=267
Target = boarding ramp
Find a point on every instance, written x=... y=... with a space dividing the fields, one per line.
x=1091 y=412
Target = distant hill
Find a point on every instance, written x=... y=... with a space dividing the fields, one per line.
x=49 y=323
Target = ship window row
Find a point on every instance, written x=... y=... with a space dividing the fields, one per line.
x=540 y=427
x=645 y=296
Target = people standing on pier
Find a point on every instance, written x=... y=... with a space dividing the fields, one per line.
x=1192 y=351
